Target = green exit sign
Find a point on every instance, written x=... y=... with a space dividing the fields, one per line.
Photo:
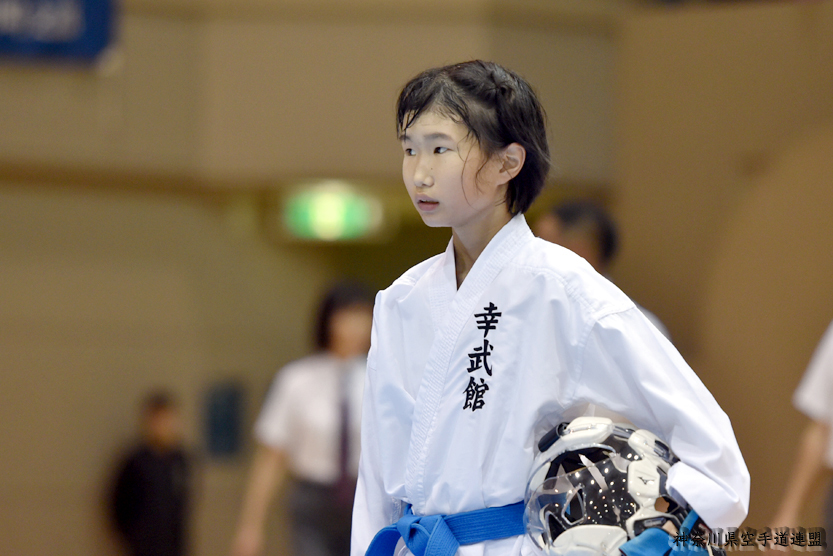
x=332 y=212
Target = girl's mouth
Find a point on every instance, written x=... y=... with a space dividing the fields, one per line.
x=427 y=205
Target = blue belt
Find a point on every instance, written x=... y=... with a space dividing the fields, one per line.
x=442 y=535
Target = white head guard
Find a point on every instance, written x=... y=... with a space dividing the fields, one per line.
x=597 y=484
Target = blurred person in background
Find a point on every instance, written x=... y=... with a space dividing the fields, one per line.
x=309 y=430
x=814 y=457
x=149 y=503
x=586 y=229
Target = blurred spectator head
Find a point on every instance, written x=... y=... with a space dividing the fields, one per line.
x=583 y=227
x=344 y=320
x=161 y=424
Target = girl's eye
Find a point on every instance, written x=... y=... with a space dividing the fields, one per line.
x=440 y=150
x=409 y=152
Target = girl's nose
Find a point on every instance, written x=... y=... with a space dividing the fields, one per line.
x=423 y=174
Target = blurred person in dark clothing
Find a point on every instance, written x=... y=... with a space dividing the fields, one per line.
x=149 y=503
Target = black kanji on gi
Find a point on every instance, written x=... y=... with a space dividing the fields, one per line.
x=488 y=320
x=480 y=358
x=474 y=394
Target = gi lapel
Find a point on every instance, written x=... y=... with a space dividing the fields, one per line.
x=442 y=289
x=450 y=318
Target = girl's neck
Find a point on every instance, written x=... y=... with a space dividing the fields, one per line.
x=469 y=244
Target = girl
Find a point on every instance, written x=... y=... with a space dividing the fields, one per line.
x=472 y=350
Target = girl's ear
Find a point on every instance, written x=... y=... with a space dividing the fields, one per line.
x=512 y=157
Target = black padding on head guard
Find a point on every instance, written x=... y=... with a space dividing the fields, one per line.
x=549 y=439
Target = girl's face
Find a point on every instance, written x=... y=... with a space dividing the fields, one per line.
x=445 y=175
x=350 y=331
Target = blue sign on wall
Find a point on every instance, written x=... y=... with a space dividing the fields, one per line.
x=75 y=29
x=224 y=416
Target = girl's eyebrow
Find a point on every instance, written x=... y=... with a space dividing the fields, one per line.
x=436 y=136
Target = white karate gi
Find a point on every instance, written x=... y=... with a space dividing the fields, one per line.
x=814 y=395
x=565 y=336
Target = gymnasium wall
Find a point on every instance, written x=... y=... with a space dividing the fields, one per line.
x=724 y=192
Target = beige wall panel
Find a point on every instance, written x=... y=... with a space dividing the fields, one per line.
x=705 y=97
x=279 y=95
x=722 y=236
x=767 y=303
x=316 y=98
x=573 y=73
x=104 y=295
x=136 y=109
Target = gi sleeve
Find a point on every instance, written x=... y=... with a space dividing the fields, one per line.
x=630 y=368
x=373 y=509
x=814 y=392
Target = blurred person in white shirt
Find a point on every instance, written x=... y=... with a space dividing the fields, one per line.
x=309 y=430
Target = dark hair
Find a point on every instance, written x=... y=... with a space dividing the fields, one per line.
x=158 y=400
x=575 y=214
x=339 y=296
x=497 y=106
